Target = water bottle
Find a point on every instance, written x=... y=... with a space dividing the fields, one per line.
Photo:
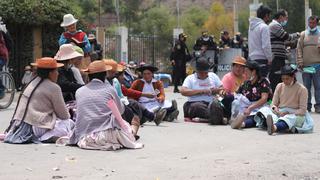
x=319 y=42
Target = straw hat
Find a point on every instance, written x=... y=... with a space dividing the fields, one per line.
x=96 y=67
x=66 y=52
x=68 y=19
x=46 y=63
x=121 y=68
x=113 y=64
x=239 y=60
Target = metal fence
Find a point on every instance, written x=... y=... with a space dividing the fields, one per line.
x=113 y=46
x=149 y=49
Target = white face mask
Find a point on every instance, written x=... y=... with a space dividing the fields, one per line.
x=291 y=83
x=252 y=78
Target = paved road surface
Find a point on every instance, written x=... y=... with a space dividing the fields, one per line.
x=173 y=151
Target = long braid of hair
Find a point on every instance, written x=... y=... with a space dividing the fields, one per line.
x=25 y=112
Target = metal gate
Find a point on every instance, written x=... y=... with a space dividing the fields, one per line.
x=149 y=49
x=113 y=46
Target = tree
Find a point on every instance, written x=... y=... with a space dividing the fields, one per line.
x=193 y=20
x=219 y=20
x=244 y=22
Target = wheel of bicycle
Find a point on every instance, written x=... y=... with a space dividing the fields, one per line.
x=8 y=89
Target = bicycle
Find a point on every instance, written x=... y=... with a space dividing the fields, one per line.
x=9 y=89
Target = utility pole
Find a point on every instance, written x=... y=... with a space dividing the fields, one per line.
x=235 y=17
x=277 y=5
x=306 y=11
x=99 y=13
x=178 y=13
x=117 y=6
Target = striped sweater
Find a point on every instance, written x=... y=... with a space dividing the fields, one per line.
x=278 y=36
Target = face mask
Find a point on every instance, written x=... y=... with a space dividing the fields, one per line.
x=252 y=78
x=205 y=38
x=291 y=83
x=313 y=29
x=284 y=23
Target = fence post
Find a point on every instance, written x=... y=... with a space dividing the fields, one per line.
x=123 y=32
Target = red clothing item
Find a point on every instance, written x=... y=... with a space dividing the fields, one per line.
x=131 y=93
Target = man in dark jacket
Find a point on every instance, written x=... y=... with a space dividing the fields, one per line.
x=206 y=40
x=179 y=56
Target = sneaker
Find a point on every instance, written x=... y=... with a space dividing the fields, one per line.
x=237 y=122
x=270 y=127
x=172 y=116
x=159 y=116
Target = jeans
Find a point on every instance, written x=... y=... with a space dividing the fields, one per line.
x=308 y=80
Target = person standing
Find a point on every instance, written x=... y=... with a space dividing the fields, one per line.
x=308 y=55
x=278 y=37
x=259 y=39
x=179 y=56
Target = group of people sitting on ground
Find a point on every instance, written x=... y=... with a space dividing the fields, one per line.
x=99 y=105
x=244 y=98
x=102 y=105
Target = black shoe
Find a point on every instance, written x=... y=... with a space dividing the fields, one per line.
x=176 y=90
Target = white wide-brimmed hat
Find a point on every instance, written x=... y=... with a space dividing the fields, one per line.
x=66 y=52
x=68 y=19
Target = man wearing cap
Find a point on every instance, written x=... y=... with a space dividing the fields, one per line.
x=232 y=80
x=97 y=125
x=225 y=41
x=205 y=40
x=72 y=35
x=201 y=88
x=66 y=79
x=155 y=87
x=179 y=57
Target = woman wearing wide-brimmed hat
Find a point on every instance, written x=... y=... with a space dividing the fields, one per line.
x=72 y=35
x=288 y=111
x=40 y=114
x=66 y=80
x=99 y=124
x=147 y=84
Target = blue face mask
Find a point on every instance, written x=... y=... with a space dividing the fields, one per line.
x=284 y=23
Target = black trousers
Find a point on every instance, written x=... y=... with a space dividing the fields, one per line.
x=135 y=108
x=264 y=67
x=201 y=109
x=179 y=74
x=277 y=64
